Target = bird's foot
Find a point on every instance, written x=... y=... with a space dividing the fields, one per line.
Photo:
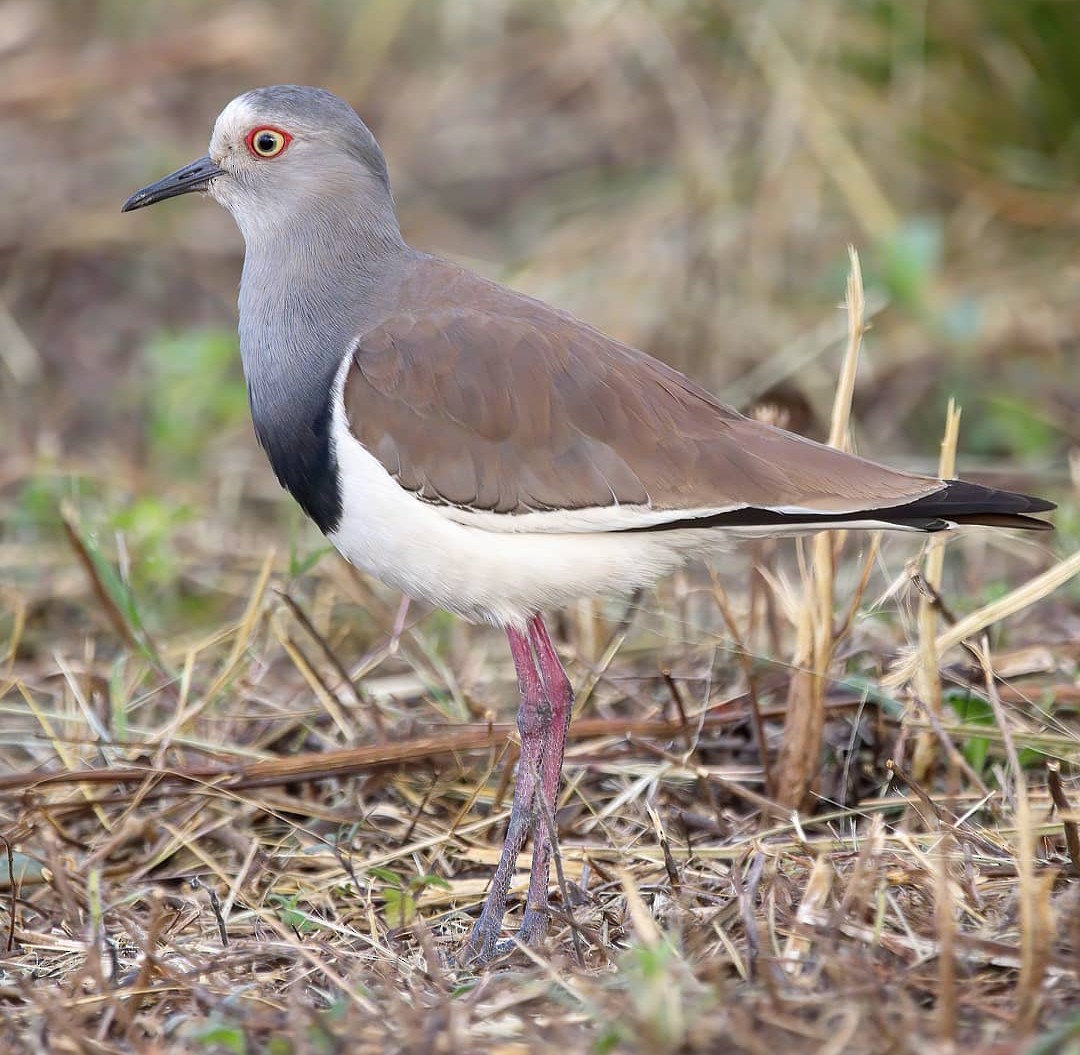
x=485 y=945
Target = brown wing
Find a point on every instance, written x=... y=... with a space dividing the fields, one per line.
x=526 y=409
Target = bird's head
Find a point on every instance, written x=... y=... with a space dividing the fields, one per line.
x=282 y=157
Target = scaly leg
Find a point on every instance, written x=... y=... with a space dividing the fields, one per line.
x=534 y=718
x=560 y=698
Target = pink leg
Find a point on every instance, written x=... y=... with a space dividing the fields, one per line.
x=559 y=695
x=533 y=721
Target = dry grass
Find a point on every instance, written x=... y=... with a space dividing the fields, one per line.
x=250 y=802
x=186 y=884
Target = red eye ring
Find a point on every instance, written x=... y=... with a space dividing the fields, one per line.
x=266 y=142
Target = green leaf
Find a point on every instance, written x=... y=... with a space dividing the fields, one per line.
x=418 y=883
x=611 y=1039
x=400 y=906
x=387 y=875
x=292 y=916
x=219 y=1035
x=976 y=751
x=302 y=565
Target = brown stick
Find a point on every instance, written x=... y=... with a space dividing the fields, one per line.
x=1072 y=834
x=317 y=765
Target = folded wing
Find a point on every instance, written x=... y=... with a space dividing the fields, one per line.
x=488 y=402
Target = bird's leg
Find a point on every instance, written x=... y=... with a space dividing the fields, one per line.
x=560 y=699
x=534 y=717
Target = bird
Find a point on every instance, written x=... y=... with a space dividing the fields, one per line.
x=485 y=452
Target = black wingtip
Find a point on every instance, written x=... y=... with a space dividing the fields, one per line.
x=963 y=502
x=958 y=503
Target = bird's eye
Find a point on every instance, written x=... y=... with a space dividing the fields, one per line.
x=267 y=142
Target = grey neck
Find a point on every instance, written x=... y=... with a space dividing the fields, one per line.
x=308 y=281
x=304 y=298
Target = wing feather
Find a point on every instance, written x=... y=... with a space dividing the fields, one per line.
x=479 y=398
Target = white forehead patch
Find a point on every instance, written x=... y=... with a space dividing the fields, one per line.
x=232 y=124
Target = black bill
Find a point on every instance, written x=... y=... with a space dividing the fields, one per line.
x=193 y=177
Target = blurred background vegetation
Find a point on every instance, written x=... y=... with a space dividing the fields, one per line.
x=685 y=174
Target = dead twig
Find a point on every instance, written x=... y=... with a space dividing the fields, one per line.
x=1061 y=801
